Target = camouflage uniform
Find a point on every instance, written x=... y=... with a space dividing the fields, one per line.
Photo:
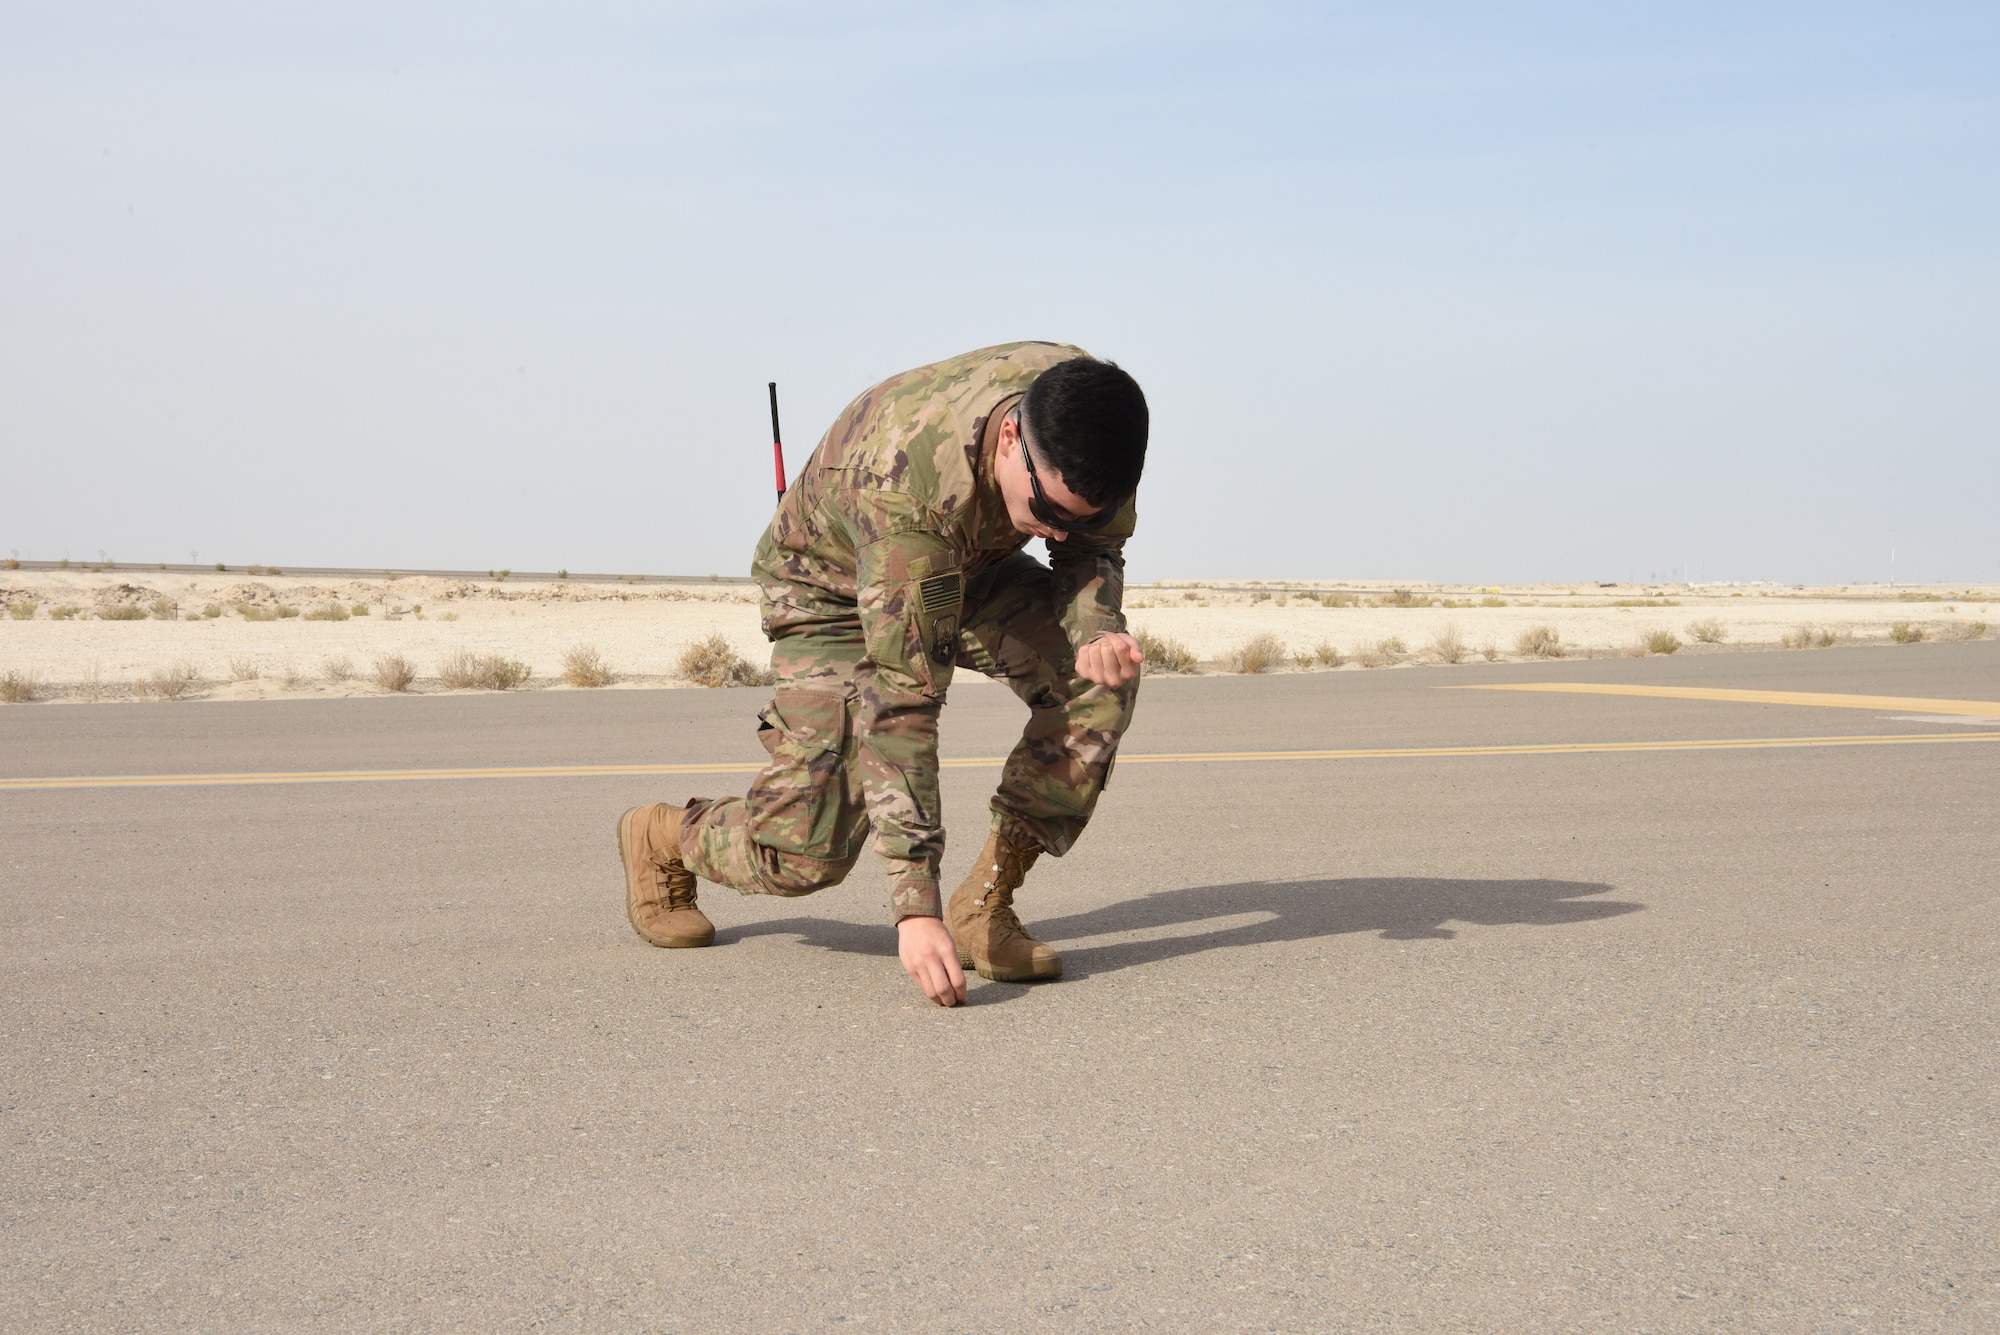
x=892 y=561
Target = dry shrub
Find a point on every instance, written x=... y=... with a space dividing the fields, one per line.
x=63 y=611
x=171 y=682
x=459 y=671
x=331 y=612
x=165 y=609
x=1164 y=653
x=713 y=662
x=583 y=666
x=1260 y=653
x=21 y=609
x=290 y=675
x=1491 y=601
x=1906 y=632
x=11 y=563
x=361 y=609
x=211 y=611
x=393 y=672
x=1969 y=630
x=1708 y=630
x=1662 y=642
x=243 y=669
x=1489 y=651
x=1539 y=642
x=337 y=670
x=1816 y=637
x=465 y=671
x=504 y=674
x=1328 y=654
x=18 y=688
x=121 y=613
x=1448 y=644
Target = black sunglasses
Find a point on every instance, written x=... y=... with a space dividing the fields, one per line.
x=1045 y=512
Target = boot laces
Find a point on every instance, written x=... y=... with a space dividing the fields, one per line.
x=998 y=901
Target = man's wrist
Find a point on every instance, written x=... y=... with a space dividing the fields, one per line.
x=915 y=897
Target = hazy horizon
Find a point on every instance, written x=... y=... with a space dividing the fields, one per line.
x=1555 y=293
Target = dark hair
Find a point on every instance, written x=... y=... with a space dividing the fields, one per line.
x=1088 y=419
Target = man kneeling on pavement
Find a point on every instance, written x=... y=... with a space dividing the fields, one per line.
x=894 y=559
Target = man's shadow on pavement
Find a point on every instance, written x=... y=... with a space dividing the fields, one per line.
x=1208 y=917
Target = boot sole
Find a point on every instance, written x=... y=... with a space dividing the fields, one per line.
x=1053 y=969
x=632 y=902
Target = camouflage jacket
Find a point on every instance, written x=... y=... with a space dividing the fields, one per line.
x=896 y=509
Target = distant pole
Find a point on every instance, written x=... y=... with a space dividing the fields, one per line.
x=777 y=443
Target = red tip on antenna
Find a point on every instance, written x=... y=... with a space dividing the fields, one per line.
x=777 y=443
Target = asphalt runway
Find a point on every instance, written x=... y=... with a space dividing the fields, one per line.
x=1644 y=1037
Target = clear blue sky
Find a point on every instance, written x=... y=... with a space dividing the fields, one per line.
x=1447 y=291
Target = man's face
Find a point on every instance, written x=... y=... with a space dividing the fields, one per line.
x=1010 y=470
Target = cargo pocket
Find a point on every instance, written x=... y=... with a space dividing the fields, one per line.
x=794 y=804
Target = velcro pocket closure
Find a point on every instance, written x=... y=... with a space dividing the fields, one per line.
x=805 y=720
x=795 y=803
x=939 y=606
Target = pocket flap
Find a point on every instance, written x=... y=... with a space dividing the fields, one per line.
x=810 y=720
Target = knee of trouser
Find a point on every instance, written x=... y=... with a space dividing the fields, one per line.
x=794 y=874
x=1100 y=710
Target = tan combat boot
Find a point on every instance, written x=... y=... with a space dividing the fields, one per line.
x=981 y=917
x=659 y=889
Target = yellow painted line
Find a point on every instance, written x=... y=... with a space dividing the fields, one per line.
x=1899 y=703
x=981 y=762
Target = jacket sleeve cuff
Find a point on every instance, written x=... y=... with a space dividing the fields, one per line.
x=915 y=896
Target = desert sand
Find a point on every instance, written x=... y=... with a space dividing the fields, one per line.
x=228 y=636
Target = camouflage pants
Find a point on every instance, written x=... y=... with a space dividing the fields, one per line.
x=805 y=820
